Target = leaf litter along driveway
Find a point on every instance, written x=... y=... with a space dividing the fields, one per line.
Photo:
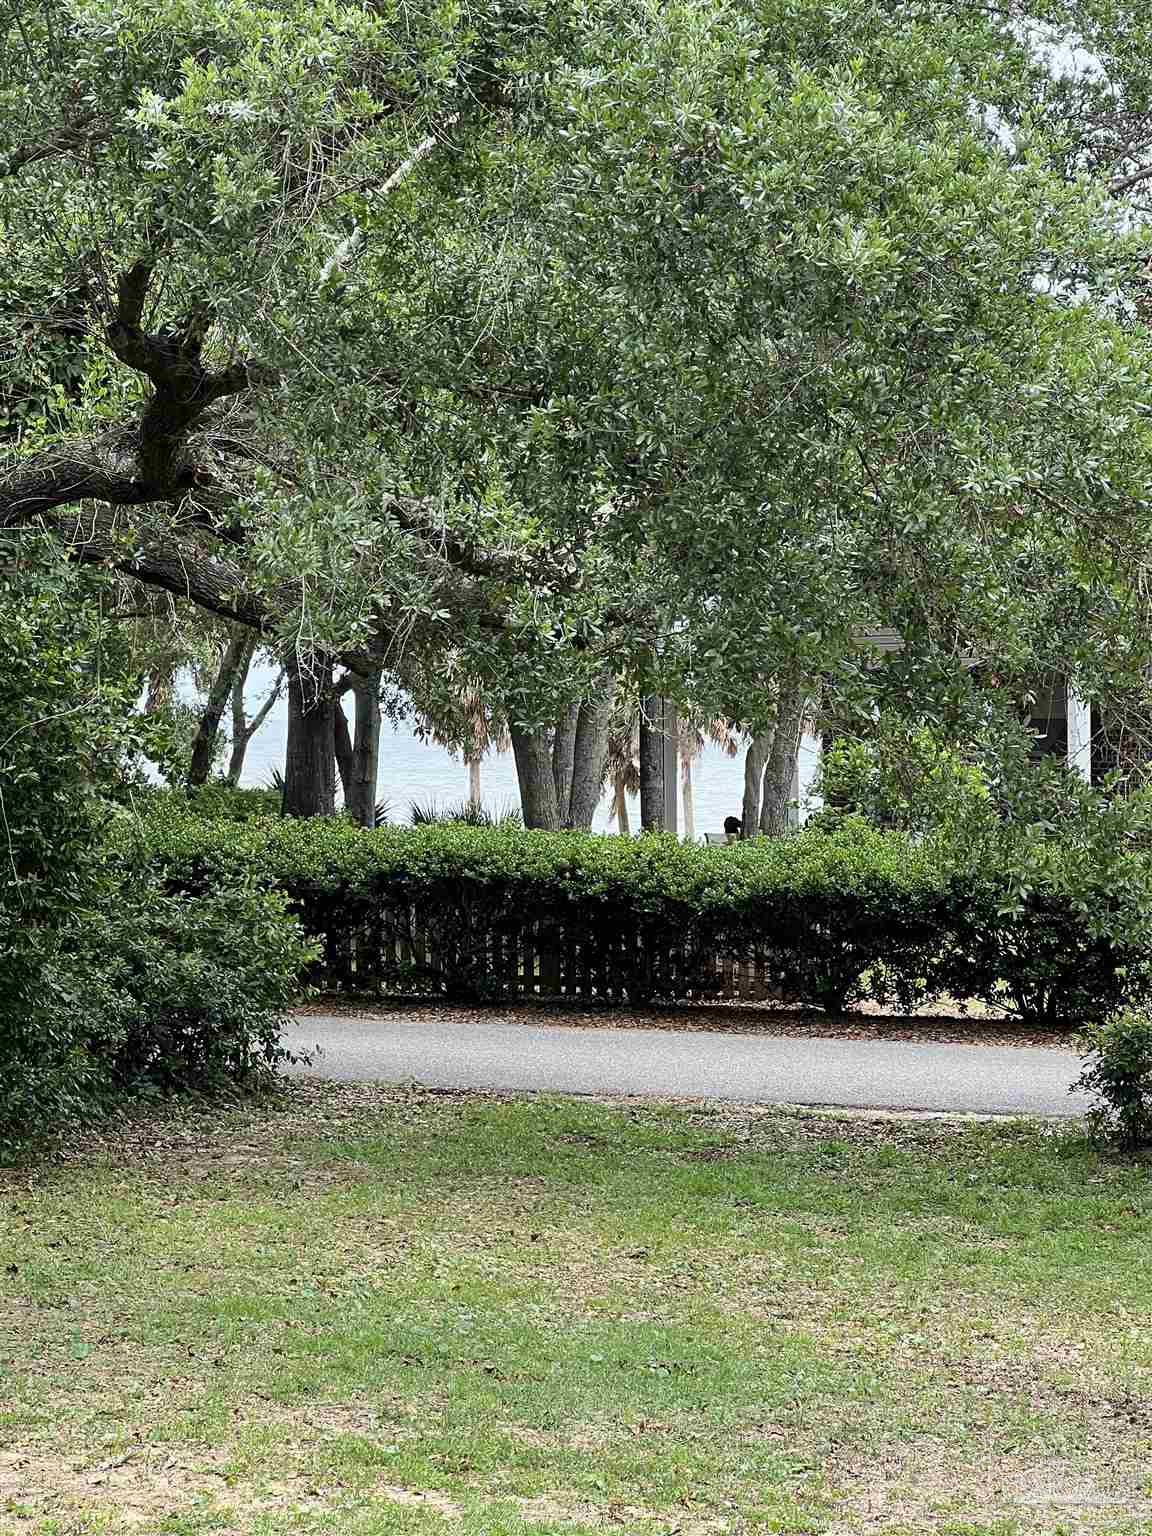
x=516 y=1050
x=373 y=1310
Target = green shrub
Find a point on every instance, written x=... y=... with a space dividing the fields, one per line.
x=1052 y=920
x=906 y=778
x=110 y=984
x=836 y=914
x=214 y=801
x=196 y=989
x=65 y=700
x=1038 y=958
x=451 y=909
x=222 y=802
x=153 y=994
x=1118 y=1071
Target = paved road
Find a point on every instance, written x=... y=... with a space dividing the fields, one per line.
x=755 y=1069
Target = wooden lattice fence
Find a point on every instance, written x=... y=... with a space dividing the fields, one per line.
x=397 y=952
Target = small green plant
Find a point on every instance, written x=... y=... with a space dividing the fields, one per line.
x=1118 y=1070
x=462 y=813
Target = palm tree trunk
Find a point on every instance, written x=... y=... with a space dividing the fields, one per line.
x=688 y=795
x=473 y=780
x=161 y=681
x=620 y=806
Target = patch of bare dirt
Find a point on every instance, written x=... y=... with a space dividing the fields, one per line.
x=140 y=1485
x=556 y=1510
x=915 y=1487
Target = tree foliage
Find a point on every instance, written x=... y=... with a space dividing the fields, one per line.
x=111 y=987
x=693 y=340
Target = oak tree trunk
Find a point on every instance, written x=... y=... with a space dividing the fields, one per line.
x=651 y=764
x=533 y=753
x=780 y=770
x=755 y=761
x=563 y=757
x=310 y=761
x=342 y=750
x=360 y=799
x=244 y=729
x=590 y=757
x=240 y=736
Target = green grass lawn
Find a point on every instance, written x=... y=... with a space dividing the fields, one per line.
x=371 y=1311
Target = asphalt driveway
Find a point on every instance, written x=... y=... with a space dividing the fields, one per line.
x=872 y=1074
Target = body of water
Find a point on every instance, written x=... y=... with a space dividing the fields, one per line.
x=414 y=770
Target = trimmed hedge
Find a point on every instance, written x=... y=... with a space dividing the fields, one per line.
x=835 y=914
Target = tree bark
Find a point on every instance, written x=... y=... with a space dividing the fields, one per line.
x=473 y=763
x=343 y=752
x=533 y=753
x=239 y=719
x=365 y=768
x=780 y=770
x=243 y=729
x=755 y=761
x=651 y=764
x=564 y=756
x=688 y=794
x=623 y=824
x=310 y=762
x=208 y=730
x=590 y=756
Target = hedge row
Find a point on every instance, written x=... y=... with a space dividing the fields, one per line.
x=835 y=914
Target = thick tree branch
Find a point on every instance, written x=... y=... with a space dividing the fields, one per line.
x=92 y=469
x=183 y=388
x=161 y=558
x=65 y=140
x=1121 y=184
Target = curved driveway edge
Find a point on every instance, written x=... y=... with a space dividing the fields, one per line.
x=755 y=1069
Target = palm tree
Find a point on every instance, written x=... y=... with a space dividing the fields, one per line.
x=623 y=767
x=487 y=733
x=468 y=727
x=692 y=740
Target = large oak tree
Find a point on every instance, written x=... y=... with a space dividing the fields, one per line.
x=687 y=343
